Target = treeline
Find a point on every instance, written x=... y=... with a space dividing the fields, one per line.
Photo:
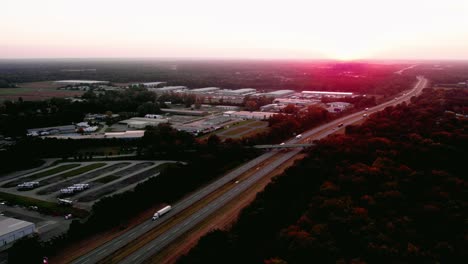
x=263 y=75
x=29 y=151
x=392 y=190
x=16 y=117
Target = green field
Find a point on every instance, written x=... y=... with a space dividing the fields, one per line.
x=41 y=174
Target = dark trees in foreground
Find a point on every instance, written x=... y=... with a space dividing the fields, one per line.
x=393 y=190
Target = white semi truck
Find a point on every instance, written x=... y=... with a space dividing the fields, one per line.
x=162 y=211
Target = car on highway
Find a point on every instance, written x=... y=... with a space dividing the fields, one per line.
x=68 y=216
x=340 y=125
x=282 y=144
x=366 y=109
x=364 y=115
x=299 y=136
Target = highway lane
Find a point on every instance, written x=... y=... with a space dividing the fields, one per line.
x=164 y=239
x=111 y=246
x=173 y=233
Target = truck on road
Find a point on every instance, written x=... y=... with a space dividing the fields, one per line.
x=161 y=212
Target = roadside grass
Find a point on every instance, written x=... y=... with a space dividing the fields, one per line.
x=217 y=132
x=40 y=175
x=235 y=131
x=44 y=207
x=258 y=124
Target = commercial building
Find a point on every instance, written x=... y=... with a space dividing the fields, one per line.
x=184 y=112
x=12 y=229
x=250 y=115
x=148 y=84
x=79 y=82
x=204 y=90
x=142 y=122
x=335 y=107
x=168 y=89
x=279 y=93
x=51 y=130
x=302 y=102
x=327 y=94
x=238 y=92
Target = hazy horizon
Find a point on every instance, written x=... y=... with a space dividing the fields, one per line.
x=208 y=29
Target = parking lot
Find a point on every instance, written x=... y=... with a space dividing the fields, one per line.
x=68 y=179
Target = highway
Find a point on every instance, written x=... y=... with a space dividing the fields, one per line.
x=172 y=233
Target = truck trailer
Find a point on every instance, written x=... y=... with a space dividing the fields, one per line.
x=159 y=213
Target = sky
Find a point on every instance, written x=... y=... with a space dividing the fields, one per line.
x=252 y=29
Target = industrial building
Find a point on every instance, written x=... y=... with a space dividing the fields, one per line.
x=250 y=115
x=12 y=229
x=302 y=102
x=168 y=89
x=142 y=122
x=184 y=112
x=78 y=82
x=238 y=92
x=326 y=94
x=204 y=90
x=335 y=107
x=51 y=130
x=149 y=84
x=279 y=93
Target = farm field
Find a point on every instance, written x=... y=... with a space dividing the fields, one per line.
x=36 y=91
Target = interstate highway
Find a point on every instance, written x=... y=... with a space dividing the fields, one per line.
x=192 y=220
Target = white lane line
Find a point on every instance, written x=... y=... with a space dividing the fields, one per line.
x=137 y=256
x=103 y=251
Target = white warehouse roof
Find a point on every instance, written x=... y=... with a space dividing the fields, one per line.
x=8 y=225
x=206 y=89
x=280 y=92
x=81 y=82
x=330 y=93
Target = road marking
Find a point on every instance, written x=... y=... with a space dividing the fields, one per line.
x=137 y=256
x=99 y=253
x=132 y=234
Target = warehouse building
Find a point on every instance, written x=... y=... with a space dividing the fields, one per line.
x=204 y=90
x=12 y=229
x=43 y=131
x=250 y=115
x=168 y=89
x=279 y=93
x=149 y=84
x=79 y=82
x=142 y=122
x=327 y=94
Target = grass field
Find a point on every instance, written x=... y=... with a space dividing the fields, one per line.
x=44 y=207
x=235 y=131
x=36 y=91
x=41 y=174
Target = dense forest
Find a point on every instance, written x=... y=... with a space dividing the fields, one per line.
x=359 y=77
x=392 y=190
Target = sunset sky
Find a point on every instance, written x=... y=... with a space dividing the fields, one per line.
x=330 y=29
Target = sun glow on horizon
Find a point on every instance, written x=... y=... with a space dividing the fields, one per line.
x=337 y=29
